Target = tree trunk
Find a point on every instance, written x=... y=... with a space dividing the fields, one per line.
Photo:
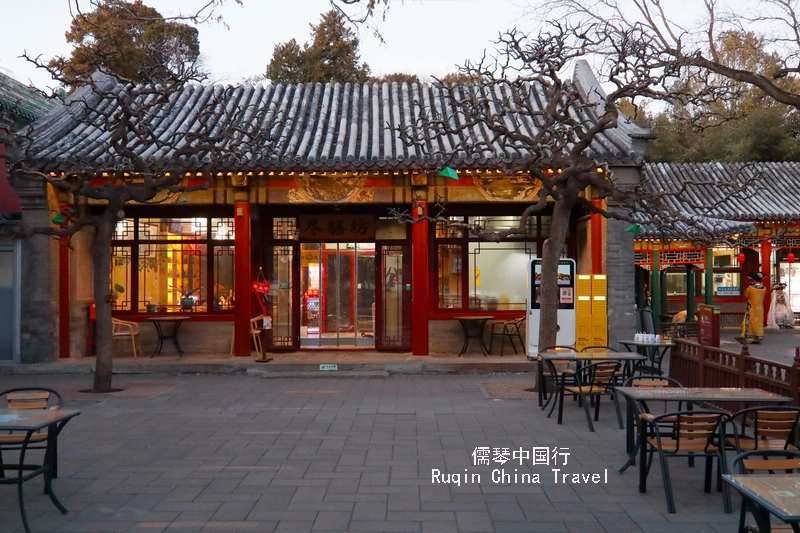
x=548 y=299
x=101 y=257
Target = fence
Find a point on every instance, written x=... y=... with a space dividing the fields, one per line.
x=695 y=365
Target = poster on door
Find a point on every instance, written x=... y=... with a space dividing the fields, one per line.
x=565 y=295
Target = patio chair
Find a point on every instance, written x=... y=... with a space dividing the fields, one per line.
x=508 y=329
x=547 y=378
x=121 y=329
x=28 y=398
x=647 y=382
x=692 y=434
x=255 y=334
x=763 y=462
x=773 y=428
x=590 y=382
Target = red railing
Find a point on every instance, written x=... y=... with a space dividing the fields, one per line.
x=695 y=365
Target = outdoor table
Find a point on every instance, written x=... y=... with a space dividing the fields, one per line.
x=30 y=421
x=479 y=322
x=176 y=325
x=654 y=350
x=762 y=495
x=683 y=394
x=549 y=356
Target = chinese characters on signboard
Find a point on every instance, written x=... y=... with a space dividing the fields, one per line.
x=336 y=227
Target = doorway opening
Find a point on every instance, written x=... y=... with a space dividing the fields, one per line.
x=337 y=291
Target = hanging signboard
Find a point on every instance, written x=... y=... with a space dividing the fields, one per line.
x=261 y=287
x=345 y=227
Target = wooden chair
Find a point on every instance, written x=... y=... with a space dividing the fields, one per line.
x=507 y=329
x=773 y=428
x=28 y=398
x=763 y=462
x=122 y=328
x=692 y=434
x=255 y=334
x=590 y=382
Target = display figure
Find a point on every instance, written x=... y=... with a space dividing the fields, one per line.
x=780 y=311
x=753 y=323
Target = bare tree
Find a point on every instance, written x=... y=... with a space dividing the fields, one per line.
x=690 y=49
x=535 y=122
x=136 y=160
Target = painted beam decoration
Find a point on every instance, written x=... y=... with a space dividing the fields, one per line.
x=696 y=257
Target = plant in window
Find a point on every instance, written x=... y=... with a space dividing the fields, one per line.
x=187 y=300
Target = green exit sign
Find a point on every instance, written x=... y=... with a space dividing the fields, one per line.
x=329 y=367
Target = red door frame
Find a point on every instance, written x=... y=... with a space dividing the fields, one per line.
x=380 y=276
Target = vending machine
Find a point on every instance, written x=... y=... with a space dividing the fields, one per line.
x=566 y=305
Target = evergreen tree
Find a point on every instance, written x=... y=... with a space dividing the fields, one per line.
x=332 y=55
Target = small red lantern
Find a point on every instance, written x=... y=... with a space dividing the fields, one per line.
x=790 y=257
x=741 y=258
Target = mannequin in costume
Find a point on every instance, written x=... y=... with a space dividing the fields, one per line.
x=753 y=323
x=780 y=311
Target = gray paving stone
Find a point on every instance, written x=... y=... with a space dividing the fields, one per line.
x=332 y=521
x=369 y=511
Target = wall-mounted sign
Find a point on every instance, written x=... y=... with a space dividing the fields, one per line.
x=336 y=227
x=729 y=291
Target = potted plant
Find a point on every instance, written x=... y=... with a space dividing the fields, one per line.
x=118 y=290
x=187 y=302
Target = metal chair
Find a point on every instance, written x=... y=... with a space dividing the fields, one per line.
x=647 y=382
x=761 y=462
x=773 y=428
x=123 y=328
x=692 y=434
x=28 y=398
x=590 y=382
x=509 y=330
x=560 y=366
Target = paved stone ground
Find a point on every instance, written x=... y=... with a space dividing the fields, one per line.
x=778 y=344
x=239 y=453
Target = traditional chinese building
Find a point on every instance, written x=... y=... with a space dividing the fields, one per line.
x=761 y=204
x=315 y=222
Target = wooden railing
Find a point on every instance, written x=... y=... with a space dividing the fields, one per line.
x=695 y=365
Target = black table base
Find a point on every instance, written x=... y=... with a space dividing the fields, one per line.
x=478 y=334
x=162 y=337
x=26 y=472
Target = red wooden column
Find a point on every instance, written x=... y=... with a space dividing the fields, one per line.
x=420 y=280
x=242 y=280
x=596 y=222
x=766 y=268
x=63 y=298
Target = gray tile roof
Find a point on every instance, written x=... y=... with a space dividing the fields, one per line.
x=703 y=229
x=732 y=191
x=23 y=103
x=320 y=127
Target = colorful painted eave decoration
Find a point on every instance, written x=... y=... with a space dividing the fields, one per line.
x=448 y=173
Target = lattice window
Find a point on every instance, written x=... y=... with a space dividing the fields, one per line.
x=642 y=257
x=223 y=278
x=683 y=257
x=124 y=230
x=121 y=278
x=284 y=228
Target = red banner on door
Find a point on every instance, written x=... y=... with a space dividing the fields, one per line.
x=261 y=287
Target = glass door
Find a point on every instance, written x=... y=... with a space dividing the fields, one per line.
x=337 y=295
x=394 y=298
x=790 y=274
x=282 y=298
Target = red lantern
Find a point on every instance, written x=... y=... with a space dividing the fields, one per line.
x=741 y=258
x=790 y=257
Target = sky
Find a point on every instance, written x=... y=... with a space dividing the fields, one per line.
x=423 y=37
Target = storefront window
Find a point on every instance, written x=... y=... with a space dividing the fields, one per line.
x=676 y=283
x=496 y=272
x=498 y=275
x=450 y=272
x=168 y=258
x=727 y=272
x=284 y=228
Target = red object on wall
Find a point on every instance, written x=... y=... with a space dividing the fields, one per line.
x=419 y=283
x=597 y=239
x=242 y=280
x=766 y=269
x=790 y=257
x=63 y=299
x=741 y=257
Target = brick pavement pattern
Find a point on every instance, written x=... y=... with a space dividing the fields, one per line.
x=238 y=453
